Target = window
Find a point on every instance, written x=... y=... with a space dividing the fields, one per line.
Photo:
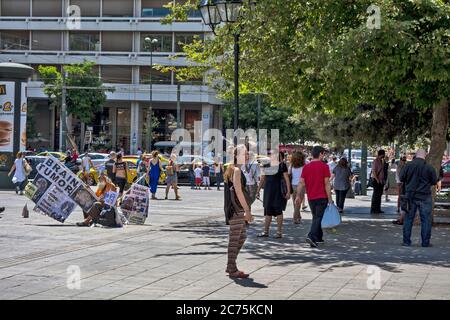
x=89 y=8
x=116 y=74
x=118 y=8
x=167 y=123
x=154 y=8
x=14 y=40
x=182 y=39
x=47 y=8
x=18 y=8
x=164 y=43
x=46 y=40
x=84 y=41
x=158 y=77
x=117 y=41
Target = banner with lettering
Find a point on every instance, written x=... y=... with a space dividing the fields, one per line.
x=56 y=190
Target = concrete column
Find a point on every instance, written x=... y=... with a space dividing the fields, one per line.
x=207 y=119
x=135 y=130
x=113 y=118
x=137 y=8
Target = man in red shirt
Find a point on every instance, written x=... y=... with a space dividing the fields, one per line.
x=316 y=179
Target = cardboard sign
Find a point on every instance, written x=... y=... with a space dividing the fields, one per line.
x=56 y=190
x=136 y=203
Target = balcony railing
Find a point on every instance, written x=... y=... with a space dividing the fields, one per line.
x=194 y=17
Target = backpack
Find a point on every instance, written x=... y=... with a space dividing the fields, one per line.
x=107 y=217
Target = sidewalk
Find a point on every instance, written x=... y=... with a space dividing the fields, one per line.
x=181 y=254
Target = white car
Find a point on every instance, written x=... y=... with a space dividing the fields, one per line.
x=98 y=159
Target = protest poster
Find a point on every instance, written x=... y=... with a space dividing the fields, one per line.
x=135 y=204
x=55 y=204
x=111 y=198
x=57 y=190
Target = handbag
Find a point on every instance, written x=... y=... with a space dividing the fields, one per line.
x=331 y=217
x=27 y=168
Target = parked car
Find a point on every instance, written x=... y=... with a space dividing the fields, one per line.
x=446 y=179
x=34 y=161
x=59 y=155
x=98 y=159
x=185 y=162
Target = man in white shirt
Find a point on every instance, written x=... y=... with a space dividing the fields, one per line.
x=86 y=165
x=252 y=174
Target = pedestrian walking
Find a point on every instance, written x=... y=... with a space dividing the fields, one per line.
x=121 y=172
x=342 y=176
x=218 y=173
x=227 y=183
x=198 y=177
x=154 y=171
x=418 y=177
x=19 y=179
x=315 y=180
x=378 y=179
x=277 y=191
x=86 y=166
x=192 y=174
x=109 y=166
x=240 y=214
x=252 y=174
x=206 y=171
x=387 y=169
x=295 y=172
x=172 y=177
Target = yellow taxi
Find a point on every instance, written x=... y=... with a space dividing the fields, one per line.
x=58 y=155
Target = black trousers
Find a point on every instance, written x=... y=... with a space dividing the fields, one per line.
x=340 y=198
x=318 y=207
x=376 y=197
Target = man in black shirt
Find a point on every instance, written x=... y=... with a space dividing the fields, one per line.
x=418 y=177
x=109 y=165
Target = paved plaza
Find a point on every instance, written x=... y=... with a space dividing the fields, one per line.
x=181 y=254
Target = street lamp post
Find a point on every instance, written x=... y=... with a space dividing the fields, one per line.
x=150 y=41
x=215 y=12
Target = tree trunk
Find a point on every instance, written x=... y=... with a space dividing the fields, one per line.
x=439 y=131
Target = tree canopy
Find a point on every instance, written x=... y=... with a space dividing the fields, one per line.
x=85 y=95
x=328 y=57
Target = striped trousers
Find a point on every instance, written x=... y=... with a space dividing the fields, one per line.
x=238 y=235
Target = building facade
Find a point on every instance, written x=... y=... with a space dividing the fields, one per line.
x=111 y=33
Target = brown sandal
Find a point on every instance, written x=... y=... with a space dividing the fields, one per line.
x=239 y=274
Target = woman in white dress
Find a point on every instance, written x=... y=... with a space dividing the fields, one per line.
x=20 y=178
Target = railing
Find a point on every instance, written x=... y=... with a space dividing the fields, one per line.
x=93 y=53
x=193 y=18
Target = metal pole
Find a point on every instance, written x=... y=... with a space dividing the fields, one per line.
x=149 y=112
x=63 y=115
x=236 y=81
x=178 y=106
x=364 y=169
x=258 y=124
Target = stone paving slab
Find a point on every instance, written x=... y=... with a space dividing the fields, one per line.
x=180 y=253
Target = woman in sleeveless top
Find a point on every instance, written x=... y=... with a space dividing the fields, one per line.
x=240 y=213
x=154 y=171
x=120 y=171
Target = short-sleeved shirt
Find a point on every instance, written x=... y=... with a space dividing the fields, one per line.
x=205 y=170
x=198 y=172
x=342 y=178
x=314 y=174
